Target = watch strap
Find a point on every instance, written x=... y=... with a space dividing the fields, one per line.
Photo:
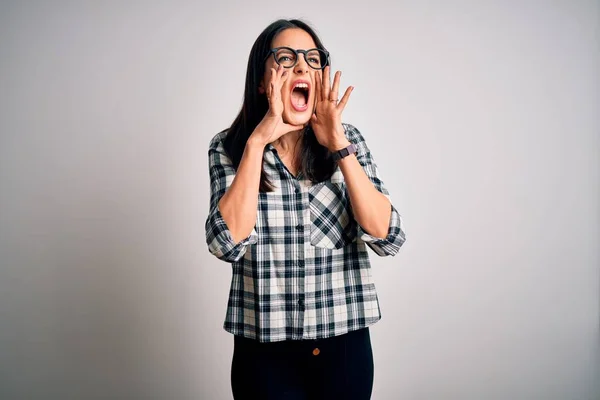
x=345 y=152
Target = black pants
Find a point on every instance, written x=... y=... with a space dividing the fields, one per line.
x=340 y=367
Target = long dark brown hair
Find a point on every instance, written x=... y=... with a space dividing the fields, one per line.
x=316 y=163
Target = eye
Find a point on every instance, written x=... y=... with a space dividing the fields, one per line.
x=285 y=57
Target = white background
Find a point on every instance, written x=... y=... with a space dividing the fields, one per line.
x=482 y=116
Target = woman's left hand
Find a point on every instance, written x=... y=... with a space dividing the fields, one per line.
x=327 y=119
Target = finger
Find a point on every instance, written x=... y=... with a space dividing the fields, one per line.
x=292 y=127
x=326 y=84
x=277 y=77
x=284 y=76
x=317 y=87
x=287 y=128
x=271 y=83
x=333 y=95
x=280 y=89
x=344 y=100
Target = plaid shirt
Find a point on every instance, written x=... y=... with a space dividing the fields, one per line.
x=303 y=272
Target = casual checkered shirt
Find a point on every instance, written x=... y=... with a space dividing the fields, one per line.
x=303 y=272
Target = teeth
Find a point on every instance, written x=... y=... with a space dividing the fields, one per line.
x=301 y=85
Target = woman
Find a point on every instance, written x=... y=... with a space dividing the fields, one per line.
x=295 y=200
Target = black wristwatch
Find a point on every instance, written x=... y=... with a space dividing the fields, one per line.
x=345 y=152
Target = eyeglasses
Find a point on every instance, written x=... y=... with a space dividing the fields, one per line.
x=287 y=57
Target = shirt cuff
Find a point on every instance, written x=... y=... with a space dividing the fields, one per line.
x=222 y=244
x=389 y=245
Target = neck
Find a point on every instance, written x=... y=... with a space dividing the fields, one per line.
x=289 y=142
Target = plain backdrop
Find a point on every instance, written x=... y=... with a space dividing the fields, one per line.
x=483 y=117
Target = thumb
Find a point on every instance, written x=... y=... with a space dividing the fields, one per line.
x=285 y=128
x=295 y=127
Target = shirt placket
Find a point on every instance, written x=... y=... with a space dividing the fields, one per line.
x=298 y=195
x=299 y=259
x=308 y=254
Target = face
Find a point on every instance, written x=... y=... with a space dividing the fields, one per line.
x=298 y=91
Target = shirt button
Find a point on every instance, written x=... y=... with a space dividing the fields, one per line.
x=299 y=228
x=316 y=351
x=301 y=263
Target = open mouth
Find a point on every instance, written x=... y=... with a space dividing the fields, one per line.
x=299 y=96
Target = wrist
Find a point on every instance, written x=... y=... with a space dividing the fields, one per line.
x=338 y=145
x=255 y=142
x=339 y=140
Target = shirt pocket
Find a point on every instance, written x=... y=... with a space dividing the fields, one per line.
x=332 y=225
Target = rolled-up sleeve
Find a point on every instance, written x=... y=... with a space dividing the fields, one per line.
x=396 y=236
x=218 y=237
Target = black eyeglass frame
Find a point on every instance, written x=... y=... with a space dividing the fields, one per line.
x=297 y=54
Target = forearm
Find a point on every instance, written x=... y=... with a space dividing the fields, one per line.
x=371 y=208
x=239 y=204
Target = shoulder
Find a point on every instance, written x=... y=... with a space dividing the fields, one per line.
x=217 y=141
x=355 y=137
x=217 y=155
x=352 y=133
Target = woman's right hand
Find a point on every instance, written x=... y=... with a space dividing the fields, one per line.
x=272 y=126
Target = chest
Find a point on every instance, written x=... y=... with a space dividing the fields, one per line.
x=299 y=211
x=289 y=162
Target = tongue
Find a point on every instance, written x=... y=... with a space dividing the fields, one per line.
x=298 y=98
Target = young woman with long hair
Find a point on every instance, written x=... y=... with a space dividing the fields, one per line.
x=296 y=199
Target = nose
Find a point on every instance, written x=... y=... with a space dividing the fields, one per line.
x=301 y=66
